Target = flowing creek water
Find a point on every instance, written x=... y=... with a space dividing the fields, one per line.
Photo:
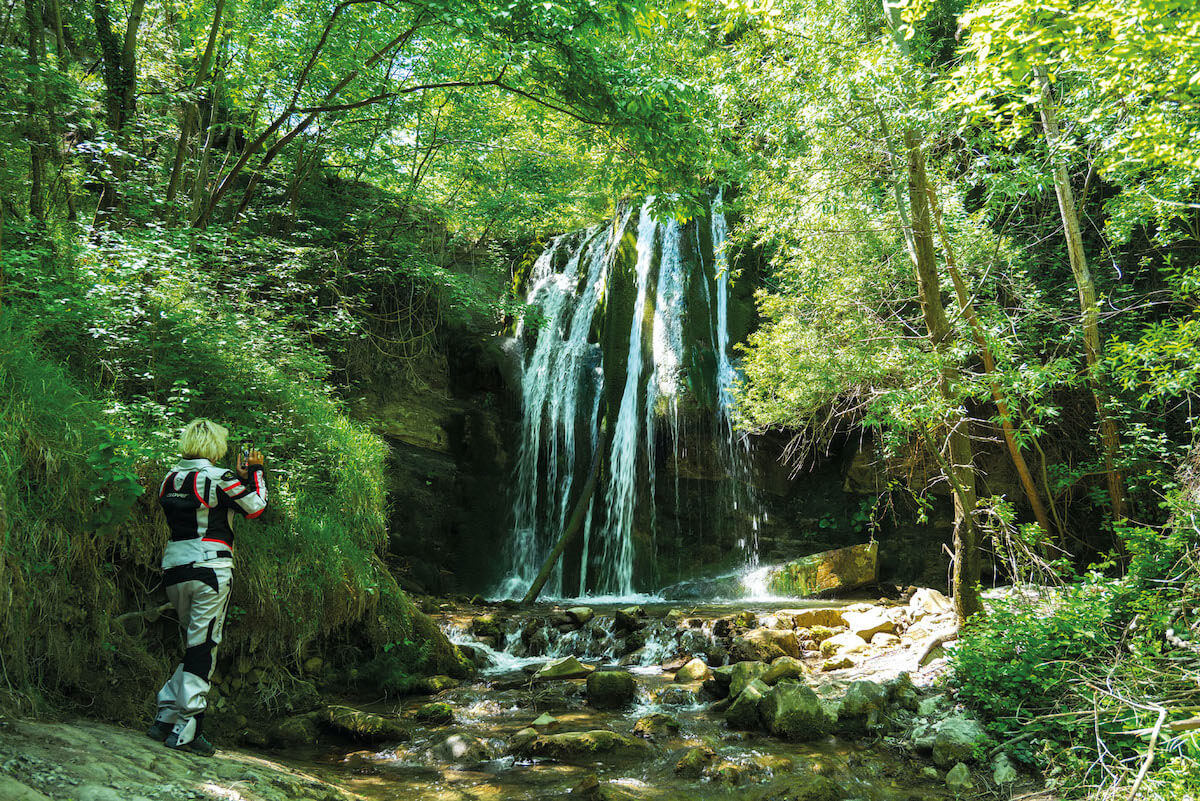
x=516 y=736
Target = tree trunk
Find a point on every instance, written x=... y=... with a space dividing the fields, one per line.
x=110 y=56
x=129 y=63
x=1090 y=321
x=37 y=133
x=573 y=524
x=191 y=113
x=989 y=367
x=959 y=469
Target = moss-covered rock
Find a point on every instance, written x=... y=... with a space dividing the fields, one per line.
x=793 y=711
x=437 y=713
x=585 y=746
x=611 y=689
x=364 y=726
x=656 y=726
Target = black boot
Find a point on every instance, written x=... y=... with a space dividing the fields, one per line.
x=159 y=730
x=199 y=746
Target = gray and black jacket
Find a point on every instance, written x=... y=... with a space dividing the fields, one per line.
x=200 y=500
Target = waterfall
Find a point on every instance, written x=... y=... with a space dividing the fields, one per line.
x=592 y=287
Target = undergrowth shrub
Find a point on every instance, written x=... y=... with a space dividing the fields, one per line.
x=106 y=351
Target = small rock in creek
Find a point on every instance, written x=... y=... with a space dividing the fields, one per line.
x=461 y=749
x=732 y=774
x=845 y=643
x=808 y=618
x=693 y=763
x=436 y=713
x=764 y=645
x=785 y=667
x=869 y=623
x=1003 y=771
x=565 y=668
x=793 y=711
x=744 y=712
x=742 y=674
x=884 y=640
x=521 y=740
x=931 y=773
x=584 y=745
x=610 y=689
x=958 y=779
x=676 y=696
x=695 y=670
x=544 y=719
x=802 y=787
x=774 y=763
x=656 y=727
x=580 y=614
x=838 y=663
x=630 y=618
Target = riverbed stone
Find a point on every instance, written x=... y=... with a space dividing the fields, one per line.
x=566 y=668
x=631 y=618
x=693 y=670
x=863 y=707
x=521 y=740
x=792 y=710
x=462 y=749
x=367 y=726
x=692 y=764
x=432 y=685
x=580 y=614
x=764 y=645
x=743 y=713
x=958 y=779
x=845 y=643
x=1003 y=771
x=811 y=618
x=869 y=623
x=883 y=639
x=486 y=626
x=296 y=731
x=585 y=745
x=438 y=712
x=742 y=674
x=610 y=689
x=656 y=726
x=676 y=696
x=784 y=667
x=837 y=663
x=956 y=739
x=801 y=787
x=544 y=719
x=927 y=601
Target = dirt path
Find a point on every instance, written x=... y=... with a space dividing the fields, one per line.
x=88 y=761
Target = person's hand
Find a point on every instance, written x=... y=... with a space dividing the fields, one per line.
x=243 y=467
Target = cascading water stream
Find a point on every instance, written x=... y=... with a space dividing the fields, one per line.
x=587 y=291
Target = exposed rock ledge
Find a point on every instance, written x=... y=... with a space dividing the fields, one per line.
x=89 y=761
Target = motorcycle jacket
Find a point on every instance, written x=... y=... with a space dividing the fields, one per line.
x=200 y=500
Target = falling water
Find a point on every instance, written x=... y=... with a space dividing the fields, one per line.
x=564 y=396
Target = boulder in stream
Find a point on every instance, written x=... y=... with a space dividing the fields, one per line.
x=692 y=764
x=438 y=713
x=462 y=749
x=841 y=644
x=742 y=674
x=656 y=726
x=957 y=739
x=764 y=645
x=566 y=668
x=863 y=707
x=793 y=711
x=870 y=622
x=576 y=746
x=785 y=667
x=610 y=689
x=580 y=614
x=367 y=726
x=744 y=712
x=694 y=670
x=631 y=618
x=840 y=569
x=801 y=787
x=827 y=617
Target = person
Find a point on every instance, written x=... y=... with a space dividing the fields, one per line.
x=200 y=500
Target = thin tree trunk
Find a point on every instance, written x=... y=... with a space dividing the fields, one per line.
x=1109 y=439
x=959 y=470
x=191 y=114
x=573 y=524
x=989 y=368
x=129 y=63
x=110 y=56
x=34 y=104
x=60 y=40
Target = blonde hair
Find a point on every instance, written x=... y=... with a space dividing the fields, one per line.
x=204 y=439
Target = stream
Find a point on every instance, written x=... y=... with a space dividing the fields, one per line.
x=517 y=735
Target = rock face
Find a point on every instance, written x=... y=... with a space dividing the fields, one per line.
x=610 y=689
x=582 y=746
x=793 y=711
x=841 y=569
